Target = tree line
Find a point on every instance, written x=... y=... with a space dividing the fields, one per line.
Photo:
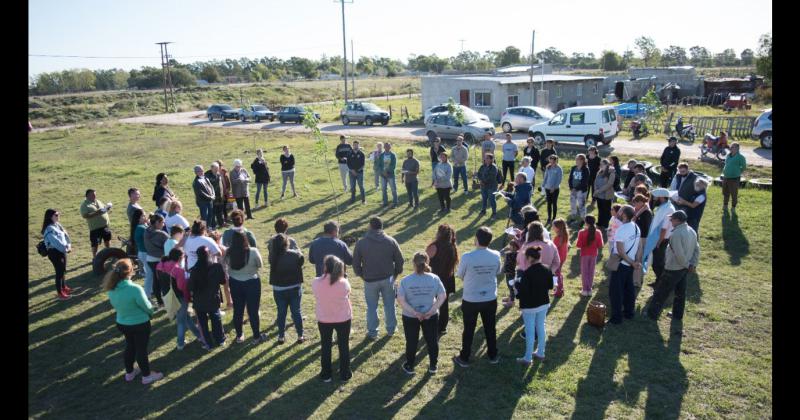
x=272 y=68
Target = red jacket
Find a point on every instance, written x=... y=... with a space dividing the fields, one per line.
x=174 y=269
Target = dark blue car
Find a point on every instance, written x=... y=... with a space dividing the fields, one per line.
x=293 y=113
x=222 y=112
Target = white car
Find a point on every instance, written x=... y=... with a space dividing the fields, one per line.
x=590 y=125
x=522 y=117
x=762 y=129
x=469 y=113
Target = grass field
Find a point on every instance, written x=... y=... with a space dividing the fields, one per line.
x=721 y=367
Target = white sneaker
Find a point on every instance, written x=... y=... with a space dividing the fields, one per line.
x=154 y=376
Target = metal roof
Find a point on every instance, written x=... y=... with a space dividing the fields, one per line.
x=508 y=80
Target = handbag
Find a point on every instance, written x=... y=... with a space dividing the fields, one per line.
x=596 y=314
x=41 y=248
x=613 y=261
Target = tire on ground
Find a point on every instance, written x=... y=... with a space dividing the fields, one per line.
x=104 y=256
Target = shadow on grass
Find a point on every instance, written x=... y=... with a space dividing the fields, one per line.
x=735 y=242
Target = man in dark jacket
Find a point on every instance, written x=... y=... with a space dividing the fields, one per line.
x=578 y=187
x=204 y=196
x=488 y=176
x=378 y=260
x=328 y=244
x=355 y=164
x=669 y=162
x=683 y=183
x=259 y=167
x=520 y=198
x=436 y=149
x=215 y=178
x=343 y=150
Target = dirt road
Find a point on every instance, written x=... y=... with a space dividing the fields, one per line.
x=622 y=145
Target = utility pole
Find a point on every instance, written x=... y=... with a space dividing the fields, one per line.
x=531 y=69
x=344 y=47
x=167 y=74
x=353 y=68
x=462 y=44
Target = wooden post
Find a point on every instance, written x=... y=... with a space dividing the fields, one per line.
x=390 y=111
x=730 y=125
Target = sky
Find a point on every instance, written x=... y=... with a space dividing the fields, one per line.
x=204 y=30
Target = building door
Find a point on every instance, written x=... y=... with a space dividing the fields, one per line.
x=464 y=97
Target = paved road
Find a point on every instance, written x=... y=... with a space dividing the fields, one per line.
x=623 y=145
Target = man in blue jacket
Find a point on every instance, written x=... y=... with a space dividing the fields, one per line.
x=520 y=198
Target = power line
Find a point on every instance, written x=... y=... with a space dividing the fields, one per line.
x=241 y=54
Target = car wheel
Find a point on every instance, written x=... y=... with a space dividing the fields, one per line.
x=538 y=139
x=345 y=121
x=431 y=135
x=224 y=118
x=368 y=121
x=469 y=138
x=506 y=127
x=271 y=119
x=590 y=141
x=766 y=139
x=211 y=117
x=281 y=120
x=384 y=122
x=258 y=119
x=244 y=119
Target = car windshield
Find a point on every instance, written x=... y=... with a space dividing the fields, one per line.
x=371 y=107
x=259 y=108
x=226 y=107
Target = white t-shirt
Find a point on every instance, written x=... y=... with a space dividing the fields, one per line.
x=628 y=234
x=176 y=219
x=700 y=199
x=480 y=269
x=193 y=243
x=529 y=172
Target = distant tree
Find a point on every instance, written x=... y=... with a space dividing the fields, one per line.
x=508 y=56
x=674 y=56
x=748 y=57
x=365 y=65
x=627 y=59
x=471 y=61
x=146 y=78
x=700 y=56
x=210 y=74
x=182 y=77
x=648 y=50
x=611 y=61
x=726 y=58
x=764 y=60
x=552 y=56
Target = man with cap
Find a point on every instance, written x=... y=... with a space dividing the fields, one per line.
x=660 y=231
x=204 y=196
x=343 y=151
x=682 y=257
x=669 y=161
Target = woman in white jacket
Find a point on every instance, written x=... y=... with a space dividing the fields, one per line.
x=58 y=244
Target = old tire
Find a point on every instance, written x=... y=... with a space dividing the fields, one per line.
x=590 y=141
x=243 y=118
x=281 y=120
x=384 y=122
x=762 y=183
x=723 y=153
x=469 y=138
x=105 y=258
x=766 y=139
x=345 y=120
x=507 y=127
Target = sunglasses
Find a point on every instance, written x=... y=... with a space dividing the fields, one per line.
x=57 y=214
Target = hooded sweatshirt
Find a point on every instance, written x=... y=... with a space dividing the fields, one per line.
x=154 y=240
x=377 y=256
x=459 y=155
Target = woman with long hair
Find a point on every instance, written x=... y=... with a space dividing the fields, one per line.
x=58 y=244
x=420 y=294
x=334 y=313
x=534 y=301
x=590 y=240
x=154 y=239
x=442 y=179
x=551 y=185
x=287 y=170
x=133 y=313
x=443 y=254
x=243 y=263
x=162 y=189
x=286 y=278
x=617 y=168
x=171 y=268
x=261 y=171
x=204 y=281
x=604 y=182
x=561 y=241
x=549 y=252
x=138 y=229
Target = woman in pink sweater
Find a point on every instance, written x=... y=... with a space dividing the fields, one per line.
x=549 y=252
x=170 y=272
x=334 y=313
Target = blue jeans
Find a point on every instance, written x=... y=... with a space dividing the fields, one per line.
x=488 y=194
x=534 y=327
x=358 y=178
x=216 y=327
x=412 y=188
x=433 y=170
x=185 y=322
x=390 y=181
x=372 y=291
x=289 y=298
x=621 y=293
x=259 y=186
x=206 y=213
x=148 y=274
x=462 y=172
x=246 y=294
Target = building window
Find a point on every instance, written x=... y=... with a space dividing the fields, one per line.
x=483 y=99
x=558 y=91
x=513 y=100
x=580 y=90
x=595 y=88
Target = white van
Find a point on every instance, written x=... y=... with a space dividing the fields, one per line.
x=590 y=125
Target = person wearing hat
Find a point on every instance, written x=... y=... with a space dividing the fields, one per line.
x=682 y=256
x=204 y=196
x=669 y=161
x=343 y=151
x=660 y=231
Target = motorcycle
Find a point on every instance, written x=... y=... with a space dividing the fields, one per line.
x=639 y=129
x=685 y=130
x=716 y=145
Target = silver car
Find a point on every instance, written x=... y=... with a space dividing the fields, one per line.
x=762 y=129
x=446 y=127
x=522 y=117
x=442 y=108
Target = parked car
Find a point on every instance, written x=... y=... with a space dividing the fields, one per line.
x=257 y=113
x=222 y=112
x=522 y=117
x=469 y=113
x=762 y=129
x=365 y=113
x=590 y=125
x=446 y=127
x=293 y=113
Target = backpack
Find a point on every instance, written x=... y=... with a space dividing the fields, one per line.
x=41 y=248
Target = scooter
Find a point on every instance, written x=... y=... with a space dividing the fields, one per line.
x=717 y=145
x=639 y=129
x=685 y=130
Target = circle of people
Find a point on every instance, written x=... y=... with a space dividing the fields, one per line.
x=195 y=264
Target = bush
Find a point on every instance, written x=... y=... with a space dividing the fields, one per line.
x=764 y=95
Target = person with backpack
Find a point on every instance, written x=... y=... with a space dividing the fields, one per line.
x=175 y=276
x=205 y=278
x=58 y=244
x=243 y=262
x=286 y=278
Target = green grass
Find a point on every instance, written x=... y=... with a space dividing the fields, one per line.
x=720 y=368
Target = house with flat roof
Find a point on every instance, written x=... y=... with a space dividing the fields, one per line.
x=492 y=94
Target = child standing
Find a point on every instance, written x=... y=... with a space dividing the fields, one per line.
x=561 y=240
x=534 y=301
x=510 y=270
x=613 y=226
x=589 y=241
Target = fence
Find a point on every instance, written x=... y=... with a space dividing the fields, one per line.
x=736 y=127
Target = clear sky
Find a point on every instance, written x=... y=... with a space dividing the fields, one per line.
x=204 y=30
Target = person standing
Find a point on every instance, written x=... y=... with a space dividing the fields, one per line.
x=479 y=270
x=669 y=161
x=154 y=239
x=579 y=176
x=240 y=181
x=355 y=165
x=133 y=196
x=334 y=313
x=604 y=183
x=488 y=176
x=593 y=163
x=281 y=226
x=287 y=170
x=420 y=295
x=487 y=145
x=435 y=151
x=409 y=174
x=621 y=291
x=328 y=244
x=162 y=189
x=388 y=164
x=374 y=156
x=510 y=152
x=138 y=230
x=549 y=150
x=286 y=278
x=590 y=240
x=443 y=254
x=534 y=301
x=682 y=257
x=133 y=313
x=171 y=269
x=205 y=278
x=343 y=151
x=529 y=171
x=58 y=244
x=226 y=190
x=378 y=260
x=694 y=208
x=96 y=215
x=617 y=173
x=643 y=218
x=442 y=180
x=261 y=171
x=735 y=164
x=214 y=176
x=660 y=231
x=532 y=152
x=175 y=218
x=551 y=184
x=237 y=217
x=203 y=196
x=459 y=154
x=683 y=182
x=561 y=241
